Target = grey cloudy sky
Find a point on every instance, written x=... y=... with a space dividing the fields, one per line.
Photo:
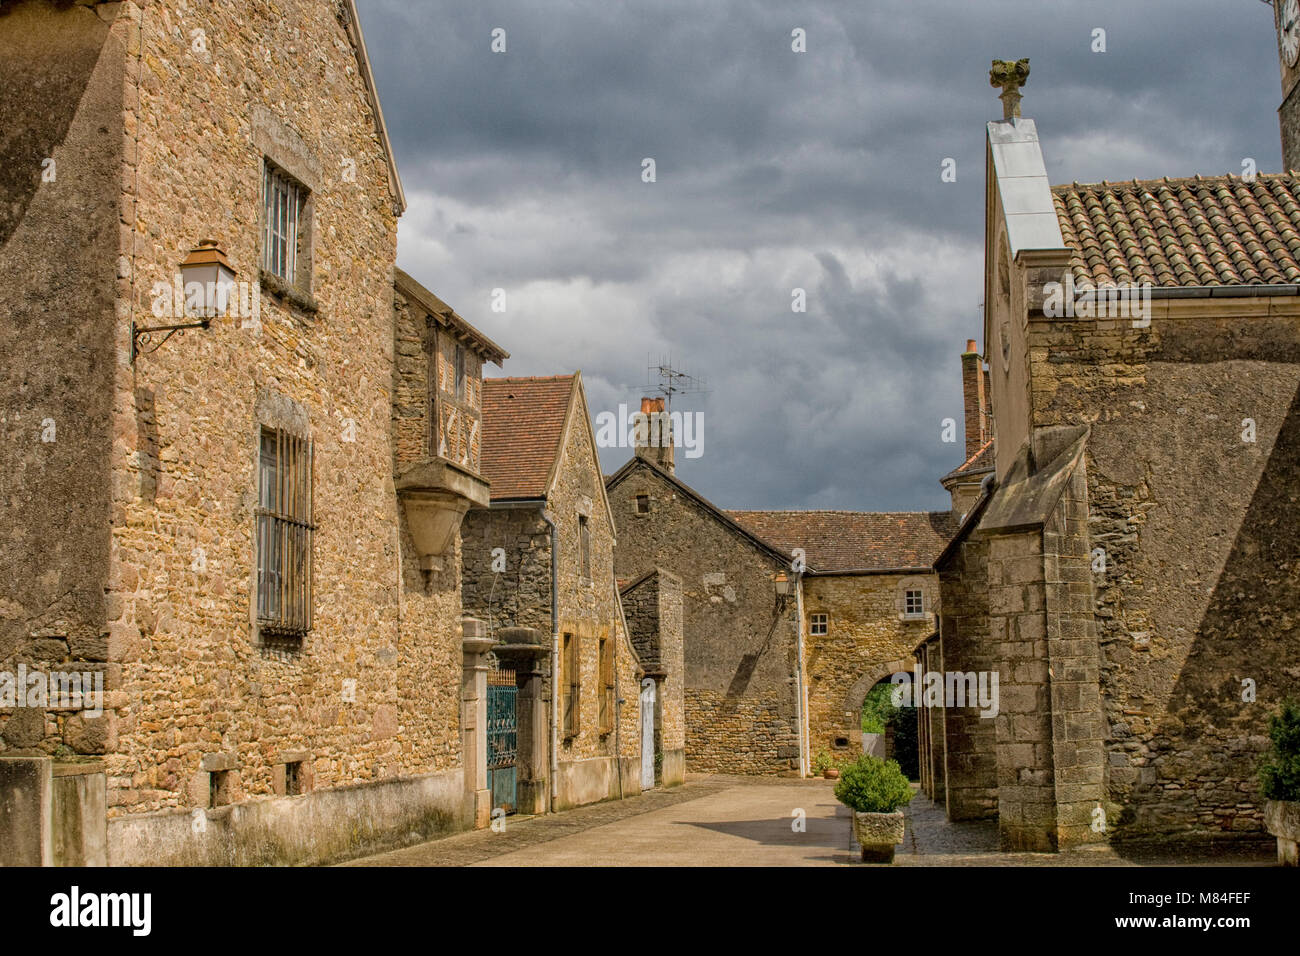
x=778 y=170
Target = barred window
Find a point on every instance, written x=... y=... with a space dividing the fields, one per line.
x=283 y=201
x=284 y=534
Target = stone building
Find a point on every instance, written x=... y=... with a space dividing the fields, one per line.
x=1136 y=559
x=246 y=531
x=741 y=638
x=790 y=617
x=539 y=570
x=653 y=608
x=867 y=595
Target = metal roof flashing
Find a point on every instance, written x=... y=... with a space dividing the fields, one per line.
x=1023 y=188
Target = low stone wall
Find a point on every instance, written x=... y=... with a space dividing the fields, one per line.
x=674 y=769
x=52 y=814
x=594 y=779
x=25 y=797
x=78 y=814
x=316 y=828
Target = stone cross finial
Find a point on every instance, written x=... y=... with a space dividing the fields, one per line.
x=1011 y=77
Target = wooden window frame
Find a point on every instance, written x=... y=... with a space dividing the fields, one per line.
x=571 y=712
x=284 y=535
x=819 y=618
x=284 y=208
x=461 y=371
x=920 y=603
x=606 y=659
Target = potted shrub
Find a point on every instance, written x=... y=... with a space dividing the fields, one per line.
x=1279 y=779
x=876 y=791
x=826 y=765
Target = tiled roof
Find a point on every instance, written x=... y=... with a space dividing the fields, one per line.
x=1183 y=232
x=855 y=540
x=977 y=464
x=523 y=423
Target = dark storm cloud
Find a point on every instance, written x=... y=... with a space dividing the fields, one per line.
x=778 y=171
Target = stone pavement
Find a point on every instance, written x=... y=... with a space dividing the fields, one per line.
x=747 y=821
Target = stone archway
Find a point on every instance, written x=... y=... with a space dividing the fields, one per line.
x=854 y=699
x=870 y=678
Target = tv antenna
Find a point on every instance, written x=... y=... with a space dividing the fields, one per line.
x=673 y=381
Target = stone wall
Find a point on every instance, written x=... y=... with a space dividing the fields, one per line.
x=653 y=609
x=520 y=594
x=969 y=738
x=64 y=153
x=740 y=643
x=1198 y=582
x=867 y=635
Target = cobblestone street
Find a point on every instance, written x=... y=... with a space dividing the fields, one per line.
x=736 y=821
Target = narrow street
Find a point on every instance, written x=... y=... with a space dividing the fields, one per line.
x=738 y=821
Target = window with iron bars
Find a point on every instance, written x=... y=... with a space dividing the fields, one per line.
x=283 y=200
x=284 y=534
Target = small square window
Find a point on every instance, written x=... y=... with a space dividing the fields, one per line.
x=643 y=504
x=913 y=603
x=819 y=625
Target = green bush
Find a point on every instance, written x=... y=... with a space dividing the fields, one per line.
x=1279 y=776
x=878 y=709
x=872 y=785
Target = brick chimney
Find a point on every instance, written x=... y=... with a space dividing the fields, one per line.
x=654 y=434
x=974 y=389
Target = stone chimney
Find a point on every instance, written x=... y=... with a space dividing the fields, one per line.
x=654 y=434
x=974 y=390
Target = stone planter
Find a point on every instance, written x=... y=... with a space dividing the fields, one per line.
x=1282 y=819
x=878 y=834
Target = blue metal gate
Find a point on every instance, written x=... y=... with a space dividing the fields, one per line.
x=502 y=738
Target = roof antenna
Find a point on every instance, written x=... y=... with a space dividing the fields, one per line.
x=673 y=381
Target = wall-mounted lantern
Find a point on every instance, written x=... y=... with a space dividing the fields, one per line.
x=207 y=281
x=784 y=586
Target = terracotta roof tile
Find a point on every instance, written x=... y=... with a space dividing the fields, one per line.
x=855 y=540
x=1200 y=231
x=983 y=460
x=523 y=423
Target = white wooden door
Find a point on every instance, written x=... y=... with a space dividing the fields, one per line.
x=647 y=734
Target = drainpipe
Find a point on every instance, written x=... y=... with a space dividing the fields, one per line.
x=555 y=657
x=801 y=703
